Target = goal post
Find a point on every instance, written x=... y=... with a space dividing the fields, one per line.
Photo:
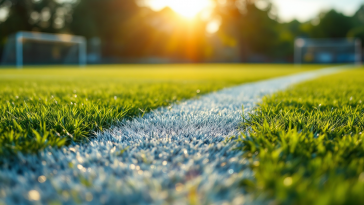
x=322 y=51
x=34 y=48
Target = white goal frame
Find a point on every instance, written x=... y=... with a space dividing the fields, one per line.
x=301 y=43
x=45 y=37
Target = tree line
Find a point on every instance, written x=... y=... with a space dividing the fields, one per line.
x=128 y=30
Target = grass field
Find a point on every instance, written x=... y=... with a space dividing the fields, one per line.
x=41 y=107
x=306 y=145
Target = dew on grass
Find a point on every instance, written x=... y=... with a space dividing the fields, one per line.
x=2 y=193
x=65 y=195
x=42 y=179
x=34 y=195
x=79 y=159
x=361 y=177
x=88 y=197
x=179 y=187
x=287 y=181
x=185 y=151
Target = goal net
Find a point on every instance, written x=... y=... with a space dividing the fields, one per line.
x=33 y=48
x=327 y=51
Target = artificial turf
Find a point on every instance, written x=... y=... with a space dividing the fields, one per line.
x=41 y=107
x=306 y=144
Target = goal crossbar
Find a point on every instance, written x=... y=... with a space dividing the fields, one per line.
x=45 y=37
x=301 y=43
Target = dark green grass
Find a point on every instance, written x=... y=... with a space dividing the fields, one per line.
x=306 y=145
x=53 y=107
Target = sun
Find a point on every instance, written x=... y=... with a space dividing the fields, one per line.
x=189 y=8
x=186 y=8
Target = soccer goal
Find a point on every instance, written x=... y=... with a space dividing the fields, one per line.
x=33 y=48
x=327 y=51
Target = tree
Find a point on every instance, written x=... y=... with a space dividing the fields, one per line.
x=130 y=31
x=358 y=30
x=332 y=25
x=28 y=15
x=254 y=29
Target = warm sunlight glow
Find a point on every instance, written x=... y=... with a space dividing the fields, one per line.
x=186 y=8
x=189 y=8
x=213 y=26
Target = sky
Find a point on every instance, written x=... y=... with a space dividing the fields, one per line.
x=304 y=10
x=287 y=10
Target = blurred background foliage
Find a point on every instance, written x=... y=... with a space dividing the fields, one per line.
x=130 y=30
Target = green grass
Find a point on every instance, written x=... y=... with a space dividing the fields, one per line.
x=306 y=144
x=55 y=106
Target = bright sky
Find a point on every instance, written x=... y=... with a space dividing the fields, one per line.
x=187 y=8
x=304 y=10
x=288 y=10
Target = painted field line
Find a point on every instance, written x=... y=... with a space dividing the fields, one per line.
x=175 y=155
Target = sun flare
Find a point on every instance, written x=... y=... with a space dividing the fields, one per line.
x=186 y=8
